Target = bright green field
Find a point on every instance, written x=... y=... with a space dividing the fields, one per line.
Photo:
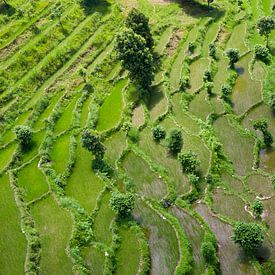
x=60 y=75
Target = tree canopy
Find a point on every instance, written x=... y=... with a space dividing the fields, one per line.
x=132 y=50
x=139 y=23
x=265 y=25
x=91 y=142
x=23 y=134
x=249 y=236
x=122 y=203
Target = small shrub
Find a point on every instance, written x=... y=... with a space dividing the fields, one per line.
x=233 y=56
x=261 y=53
x=122 y=203
x=194 y=180
x=174 y=141
x=133 y=134
x=208 y=252
x=212 y=50
x=257 y=208
x=23 y=135
x=207 y=76
x=191 y=47
x=91 y=142
x=226 y=91
x=184 y=83
x=102 y=166
x=158 y=133
x=189 y=162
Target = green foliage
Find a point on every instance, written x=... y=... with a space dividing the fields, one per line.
x=207 y=76
x=158 y=133
x=133 y=134
x=122 y=203
x=23 y=134
x=92 y=143
x=139 y=23
x=268 y=267
x=257 y=208
x=261 y=53
x=98 y=164
x=226 y=91
x=208 y=252
x=189 y=162
x=212 y=50
x=271 y=100
x=132 y=50
x=261 y=124
x=194 y=180
x=249 y=236
x=174 y=141
x=273 y=181
x=233 y=55
x=265 y=25
x=191 y=47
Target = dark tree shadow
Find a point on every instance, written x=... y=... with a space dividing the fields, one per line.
x=7 y=9
x=197 y=9
x=156 y=95
x=91 y=6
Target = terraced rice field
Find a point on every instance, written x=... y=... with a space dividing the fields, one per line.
x=55 y=212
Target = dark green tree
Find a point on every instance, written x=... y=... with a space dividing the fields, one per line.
x=257 y=208
x=158 y=133
x=249 y=236
x=261 y=124
x=189 y=162
x=265 y=25
x=23 y=135
x=261 y=53
x=132 y=50
x=139 y=23
x=174 y=141
x=122 y=203
x=233 y=55
x=208 y=252
x=91 y=142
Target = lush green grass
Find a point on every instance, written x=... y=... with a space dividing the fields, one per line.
x=128 y=255
x=182 y=117
x=94 y=259
x=158 y=153
x=32 y=180
x=200 y=106
x=260 y=185
x=138 y=118
x=230 y=206
x=147 y=183
x=32 y=151
x=209 y=37
x=12 y=241
x=195 y=235
x=60 y=153
x=197 y=69
x=6 y=155
x=237 y=38
x=65 y=120
x=158 y=102
x=235 y=145
x=84 y=185
x=85 y=112
x=40 y=122
x=164 y=251
x=110 y=111
x=54 y=225
x=246 y=91
x=103 y=221
x=115 y=145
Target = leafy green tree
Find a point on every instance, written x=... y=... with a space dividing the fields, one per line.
x=249 y=236
x=174 y=141
x=257 y=208
x=189 y=162
x=212 y=50
x=233 y=56
x=132 y=50
x=226 y=91
x=92 y=143
x=261 y=124
x=261 y=53
x=158 y=133
x=23 y=135
x=139 y=23
x=265 y=25
x=122 y=203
